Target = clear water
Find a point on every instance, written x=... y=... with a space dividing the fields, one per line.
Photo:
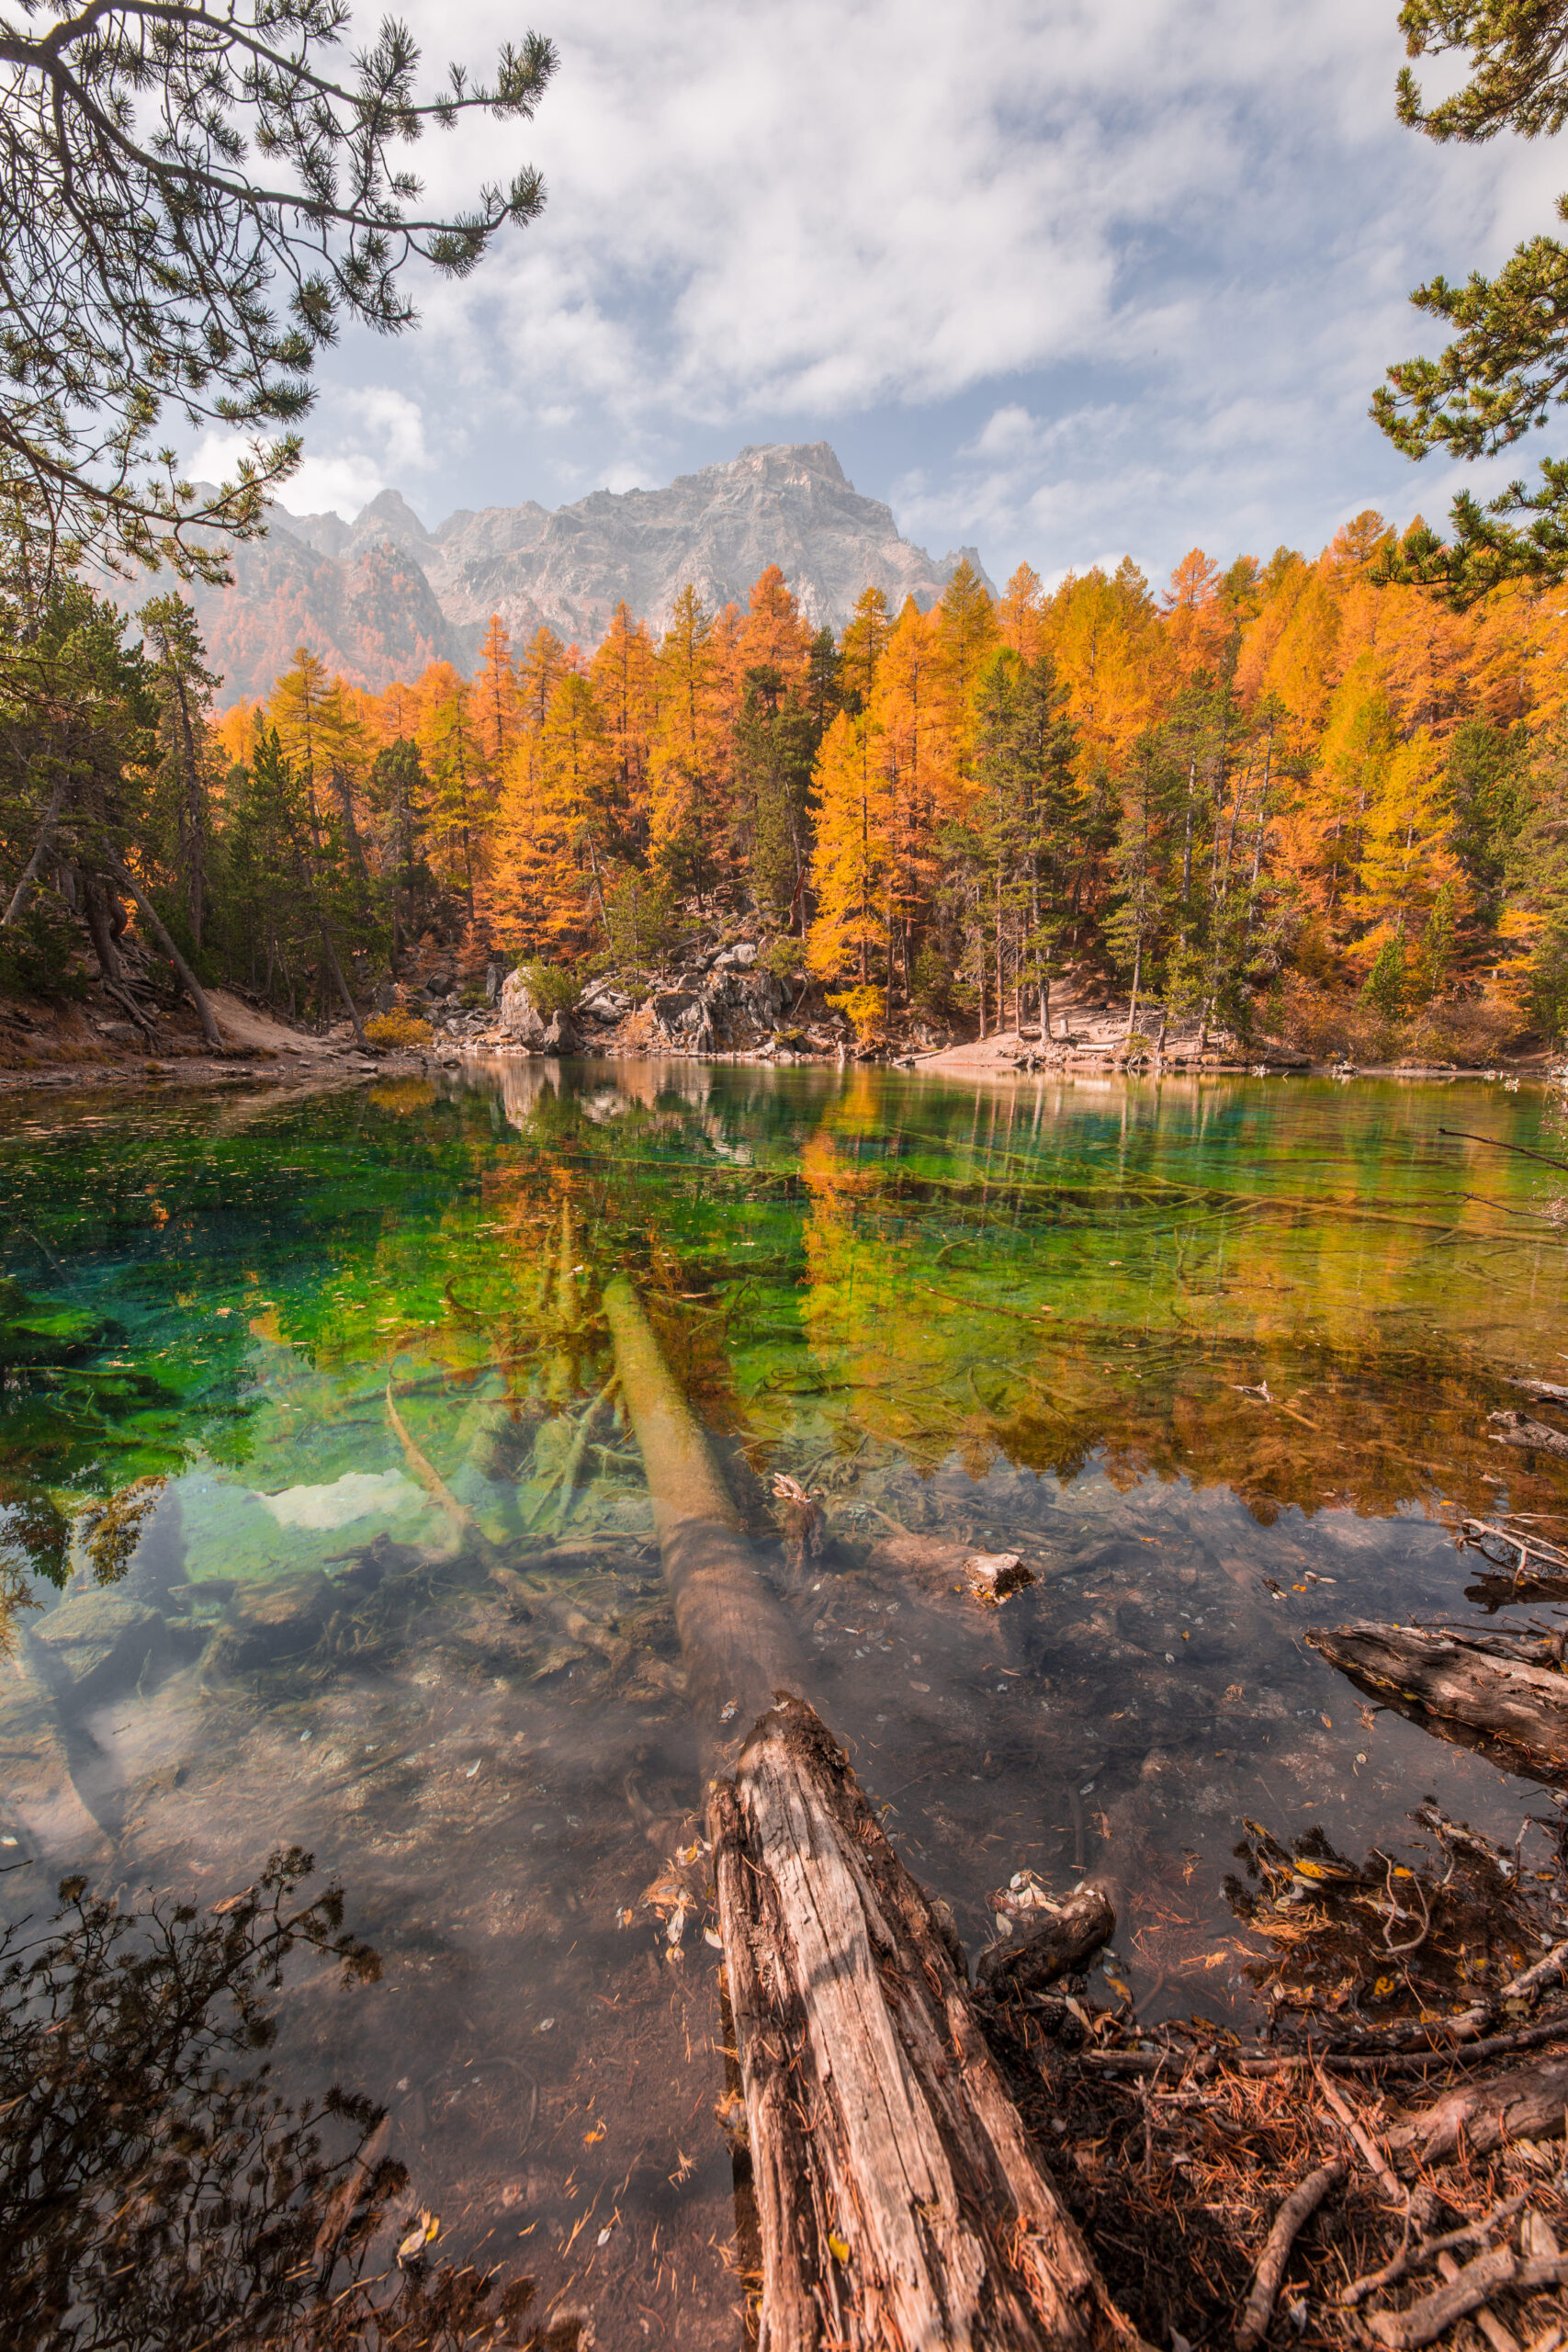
x=1036 y=1317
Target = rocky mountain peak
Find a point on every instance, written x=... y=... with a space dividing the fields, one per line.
x=379 y=596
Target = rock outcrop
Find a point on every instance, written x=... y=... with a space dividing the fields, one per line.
x=381 y=597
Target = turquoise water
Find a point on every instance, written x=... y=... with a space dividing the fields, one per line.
x=1217 y=1358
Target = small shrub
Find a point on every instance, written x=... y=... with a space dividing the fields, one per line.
x=1387 y=986
x=863 y=1008
x=551 y=987
x=930 y=987
x=397 y=1030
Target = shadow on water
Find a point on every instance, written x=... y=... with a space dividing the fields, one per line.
x=325 y=1525
x=156 y=2189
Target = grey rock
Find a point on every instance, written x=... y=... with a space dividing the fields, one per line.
x=273 y=1620
x=381 y=597
x=96 y=1643
x=678 y=1010
x=561 y=1038
x=520 y=1019
x=606 y=1005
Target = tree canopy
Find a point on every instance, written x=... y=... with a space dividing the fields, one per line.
x=1507 y=367
x=192 y=200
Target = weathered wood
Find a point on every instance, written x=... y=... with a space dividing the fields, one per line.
x=1477 y=1690
x=738 y=1646
x=1489 y=2274
x=1053 y=1943
x=899 y=2201
x=1517 y=1429
x=1527 y=2103
x=1297 y=2209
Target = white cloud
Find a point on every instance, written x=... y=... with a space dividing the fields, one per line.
x=1118 y=266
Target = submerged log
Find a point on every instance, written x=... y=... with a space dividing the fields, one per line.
x=899 y=2201
x=1484 y=1690
x=1518 y=1428
x=738 y=1646
x=1050 y=1943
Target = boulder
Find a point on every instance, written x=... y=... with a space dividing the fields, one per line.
x=96 y=1643
x=520 y=1019
x=678 y=1011
x=561 y=1038
x=281 y=1619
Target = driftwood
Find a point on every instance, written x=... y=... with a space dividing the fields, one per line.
x=1507 y=1695
x=900 y=2201
x=1527 y=2103
x=1297 y=2208
x=738 y=1646
x=1462 y=1135
x=1517 y=1429
x=1488 y=2275
x=1057 y=1941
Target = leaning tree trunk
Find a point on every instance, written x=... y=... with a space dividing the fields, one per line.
x=899 y=2204
x=160 y=931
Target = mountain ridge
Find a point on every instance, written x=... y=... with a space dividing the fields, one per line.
x=380 y=596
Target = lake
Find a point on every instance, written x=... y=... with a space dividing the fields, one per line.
x=369 y=1569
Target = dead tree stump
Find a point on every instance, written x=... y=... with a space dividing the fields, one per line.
x=900 y=2203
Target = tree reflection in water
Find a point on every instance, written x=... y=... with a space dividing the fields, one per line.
x=156 y=2191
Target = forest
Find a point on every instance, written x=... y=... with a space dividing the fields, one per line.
x=1306 y=799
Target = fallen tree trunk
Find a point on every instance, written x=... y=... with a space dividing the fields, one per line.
x=1056 y=1942
x=739 y=1647
x=900 y=2201
x=1527 y=2103
x=1517 y=1429
x=1477 y=1690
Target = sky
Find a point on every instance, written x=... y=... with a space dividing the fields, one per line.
x=1059 y=279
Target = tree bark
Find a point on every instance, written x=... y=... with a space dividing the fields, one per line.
x=899 y=2201
x=41 y=851
x=1527 y=2103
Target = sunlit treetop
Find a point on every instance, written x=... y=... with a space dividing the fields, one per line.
x=1518 y=56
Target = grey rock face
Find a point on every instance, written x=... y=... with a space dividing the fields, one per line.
x=520 y=1019
x=561 y=1038
x=380 y=597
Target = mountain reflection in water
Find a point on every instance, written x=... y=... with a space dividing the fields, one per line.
x=1216 y=1358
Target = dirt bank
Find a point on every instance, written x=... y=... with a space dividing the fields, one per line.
x=71 y=1045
